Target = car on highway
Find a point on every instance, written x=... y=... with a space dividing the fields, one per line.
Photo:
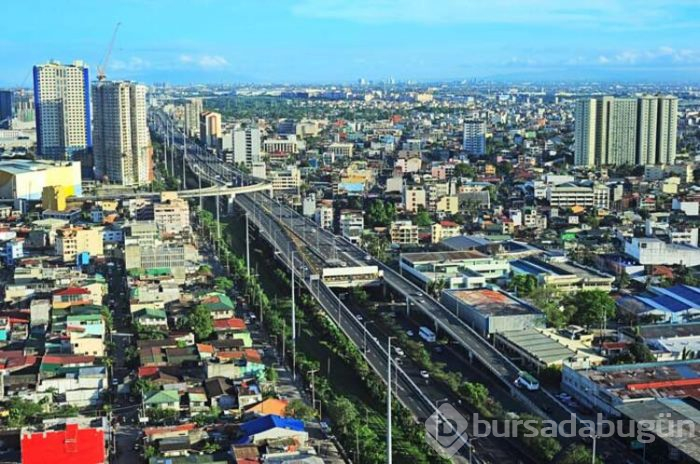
x=527 y=381
x=359 y=317
x=425 y=374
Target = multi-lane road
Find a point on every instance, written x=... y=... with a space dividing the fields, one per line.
x=279 y=223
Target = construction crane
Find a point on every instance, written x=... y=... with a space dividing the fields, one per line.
x=102 y=68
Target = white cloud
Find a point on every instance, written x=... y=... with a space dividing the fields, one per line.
x=625 y=13
x=663 y=55
x=204 y=61
x=134 y=63
x=212 y=61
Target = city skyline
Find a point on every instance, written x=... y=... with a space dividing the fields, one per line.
x=312 y=41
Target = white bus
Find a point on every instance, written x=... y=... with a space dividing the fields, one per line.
x=427 y=334
x=526 y=380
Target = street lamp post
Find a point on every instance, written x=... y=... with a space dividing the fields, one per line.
x=595 y=437
x=437 y=416
x=313 y=386
x=294 y=325
x=389 y=451
x=470 y=447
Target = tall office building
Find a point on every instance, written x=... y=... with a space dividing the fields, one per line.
x=6 y=108
x=474 y=137
x=647 y=110
x=622 y=131
x=585 y=141
x=210 y=128
x=616 y=131
x=246 y=146
x=122 y=143
x=23 y=104
x=62 y=105
x=193 y=108
x=667 y=128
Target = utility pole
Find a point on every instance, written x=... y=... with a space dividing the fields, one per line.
x=172 y=149
x=388 y=402
x=218 y=223
x=166 y=144
x=313 y=386
x=184 y=153
x=247 y=245
x=199 y=180
x=294 y=325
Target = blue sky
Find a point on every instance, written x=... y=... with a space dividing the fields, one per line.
x=318 y=41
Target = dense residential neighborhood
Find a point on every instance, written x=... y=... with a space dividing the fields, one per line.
x=242 y=240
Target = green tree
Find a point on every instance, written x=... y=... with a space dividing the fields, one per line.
x=24 y=412
x=360 y=296
x=300 y=410
x=504 y=168
x=158 y=415
x=464 y=170
x=200 y=321
x=376 y=246
x=437 y=286
x=223 y=284
x=475 y=393
x=549 y=301
x=544 y=447
x=578 y=454
x=150 y=452
x=343 y=412
x=143 y=387
x=205 y=270
x=524 y=284
x=591 y=307
x=271 y=374
x=423 y=219
x=380 y=213
x=210 y=447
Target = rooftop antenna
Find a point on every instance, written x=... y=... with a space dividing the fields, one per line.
x=102 y=68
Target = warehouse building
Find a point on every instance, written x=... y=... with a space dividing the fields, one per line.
x=606 y=388
x=489 y=311
x=26 y=179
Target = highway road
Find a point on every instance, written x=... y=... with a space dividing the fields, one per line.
x=407 y=390
x=268 y=215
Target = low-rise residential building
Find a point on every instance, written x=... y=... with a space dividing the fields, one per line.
x=171 y=215
x=443 y=230
x=285 y=179
x=352 y=225
x=72 y=241
x=324 y=215
x=403 y=233
x=414 y=198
